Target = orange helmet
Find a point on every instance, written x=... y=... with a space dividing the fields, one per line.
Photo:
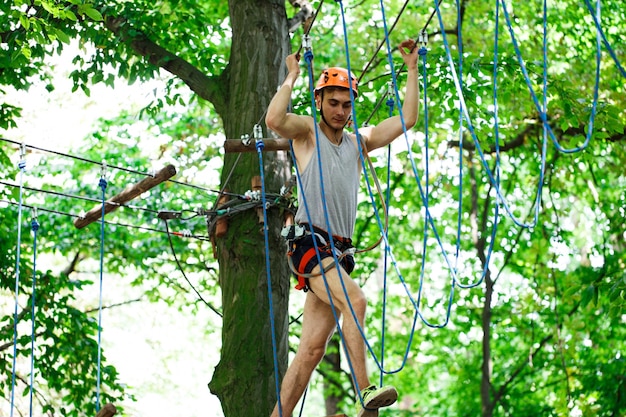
x=337 y=77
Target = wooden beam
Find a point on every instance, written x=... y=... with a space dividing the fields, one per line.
x=108 y=410
x=125 y=196
x=271 y=144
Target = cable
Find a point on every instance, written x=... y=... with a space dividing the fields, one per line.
x=22 y=167
x=110 y=223
x=129 y=170
x=180 y=267
x=35 y=228
x=77 y=197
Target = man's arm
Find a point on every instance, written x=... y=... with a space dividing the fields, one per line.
x=287 y=125
x=389 y=129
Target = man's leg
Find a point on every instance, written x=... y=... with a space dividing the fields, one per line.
x=342 y=298
x=351 y=335
x=318 y=325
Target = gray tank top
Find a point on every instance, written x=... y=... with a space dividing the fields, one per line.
x=341 y=174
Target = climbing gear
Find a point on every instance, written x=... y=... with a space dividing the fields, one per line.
x=375 y=398
x=337 y=77
x=302 y=254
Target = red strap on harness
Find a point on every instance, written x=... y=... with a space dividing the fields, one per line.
x=308 y=255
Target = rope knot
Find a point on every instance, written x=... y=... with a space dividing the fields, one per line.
x=34 y=225
x=102 y=183
x=422 y=51
x=308 y=56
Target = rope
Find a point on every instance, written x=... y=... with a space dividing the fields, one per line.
x=595 y=15
x=22 y=168
x=259 y=147
x=103 y=185
x=309 y=59
x=35 y=228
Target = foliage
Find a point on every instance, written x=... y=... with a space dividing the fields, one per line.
x=551 y=300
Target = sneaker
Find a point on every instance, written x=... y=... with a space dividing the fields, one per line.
x=375 y=398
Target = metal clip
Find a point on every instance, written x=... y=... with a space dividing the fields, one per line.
x=390 y=89
x=22 y=163
x=245 y=139
x=103 y=170
x=306 y=42
x=422 y=39
x=258 y=132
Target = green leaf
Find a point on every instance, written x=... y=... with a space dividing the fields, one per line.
x=25 y=22
x=26 y=51
x=92 y=13
x=62 y=36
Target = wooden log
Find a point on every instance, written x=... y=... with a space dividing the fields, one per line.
x=271 y=144
x=125 y=196
x=108 y=410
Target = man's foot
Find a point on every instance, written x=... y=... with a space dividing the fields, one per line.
x=375 y=398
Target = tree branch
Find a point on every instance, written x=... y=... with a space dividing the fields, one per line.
x=209 y=88
x=532 y=128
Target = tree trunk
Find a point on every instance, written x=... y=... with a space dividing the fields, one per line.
x=244 y=379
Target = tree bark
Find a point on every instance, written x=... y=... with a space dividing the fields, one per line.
x=244 y=379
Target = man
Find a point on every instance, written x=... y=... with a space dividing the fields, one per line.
x=341 y=170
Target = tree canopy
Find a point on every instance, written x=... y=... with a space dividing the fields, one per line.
x=515 y=172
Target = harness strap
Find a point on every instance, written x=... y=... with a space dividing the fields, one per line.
x=308 y=255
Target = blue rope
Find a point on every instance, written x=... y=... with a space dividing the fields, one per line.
x=459 y=35
x=497 y=159
x=542 y=114
x=259 y=147
x=35 y=227
x=360 y=148
x=422 y=193
x=22 y=167
x=595 y=15
x=390 y=103
x=103 y=185
x=309 y=59
x=471 y=127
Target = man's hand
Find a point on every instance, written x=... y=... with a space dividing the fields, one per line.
x=408 y=49
x=293 y=64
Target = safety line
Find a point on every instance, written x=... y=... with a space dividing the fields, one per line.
x=268 y=272
x=22 y=168
x=35 y=228
x=595 y=15
x=103 y=185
